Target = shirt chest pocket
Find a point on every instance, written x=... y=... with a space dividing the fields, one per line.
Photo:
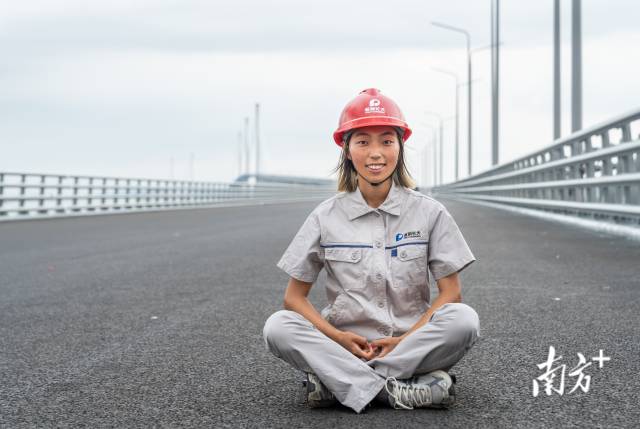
x=410 y=266
x=347 y=266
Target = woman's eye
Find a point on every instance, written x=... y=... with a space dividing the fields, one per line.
x=361 y=142
x=388 y=142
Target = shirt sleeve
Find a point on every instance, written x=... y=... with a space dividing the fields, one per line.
x=448 y=250
x=304 y=258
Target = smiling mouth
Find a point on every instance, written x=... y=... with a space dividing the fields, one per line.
x=375 y=167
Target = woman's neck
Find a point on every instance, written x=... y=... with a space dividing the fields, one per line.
x=374 y=195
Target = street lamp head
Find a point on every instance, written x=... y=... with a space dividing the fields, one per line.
x=448 y=72
x=452 y=28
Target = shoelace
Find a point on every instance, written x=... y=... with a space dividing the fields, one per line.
x=408 y=396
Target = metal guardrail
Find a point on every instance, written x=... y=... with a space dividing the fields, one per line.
x=30 y=195
x=591 y=173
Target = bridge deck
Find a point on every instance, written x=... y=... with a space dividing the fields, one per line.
x=157 y=318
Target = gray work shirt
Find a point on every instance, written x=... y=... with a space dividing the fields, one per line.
x=377 y=259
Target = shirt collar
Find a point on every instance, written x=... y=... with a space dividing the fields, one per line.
x=357 y=206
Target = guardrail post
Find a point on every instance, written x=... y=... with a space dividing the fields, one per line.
x=173 y=192
x=606 y=167
x=138 y=185
x=1 y=192
x=625 y=128
x=187 y=193
x=590 y=171
x=127 y=190
x=104 y=191
x=23 y=179
x=626 y=159
x=148 y=193
x=115 y=194
x=90 y=199
x=158 y=192
x=74 y=205
x=59 y=207
x=41 y=193
x=170 y=192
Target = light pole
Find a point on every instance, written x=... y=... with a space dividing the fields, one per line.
x=469 y=89
x=495 y=81
x=247 y=150
x=455 y=76
x=431 y=144
x=473 y=52
x=257 y=140
x=239 y=153
x=441 y=126
x=557 y=124
x=576 y=67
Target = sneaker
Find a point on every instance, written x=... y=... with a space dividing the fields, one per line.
x=318 y=396
x=433 y=390
x=442 y=385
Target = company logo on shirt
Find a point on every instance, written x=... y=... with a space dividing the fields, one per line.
x=374 y=106
x=410 y=234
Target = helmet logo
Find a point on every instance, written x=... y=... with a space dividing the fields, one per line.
x=374 y=106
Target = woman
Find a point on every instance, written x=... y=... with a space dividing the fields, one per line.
x=379 y=337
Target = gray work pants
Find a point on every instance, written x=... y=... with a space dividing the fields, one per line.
x=438 y=344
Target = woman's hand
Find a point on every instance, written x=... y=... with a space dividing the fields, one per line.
x=383 y=346
x=356 y=344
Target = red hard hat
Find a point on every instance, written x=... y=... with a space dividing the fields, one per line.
x=370 y=108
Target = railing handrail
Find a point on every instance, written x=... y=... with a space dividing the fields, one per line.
x=578 y=135
x=589 y=172
x=185 y=181
x=35 y=195
x=608 y=151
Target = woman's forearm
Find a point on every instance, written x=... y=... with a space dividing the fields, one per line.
x=449 y=292
x=303 y=306
x=442 y=299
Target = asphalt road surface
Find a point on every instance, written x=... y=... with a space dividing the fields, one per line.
x=155 y=320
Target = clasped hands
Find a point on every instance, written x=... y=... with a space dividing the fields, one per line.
x=361 y=348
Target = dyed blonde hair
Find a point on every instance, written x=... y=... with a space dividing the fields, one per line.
x=348 y=176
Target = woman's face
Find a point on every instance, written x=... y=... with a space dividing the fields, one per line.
x=374 y=151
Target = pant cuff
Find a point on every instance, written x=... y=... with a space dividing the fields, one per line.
x=368 y=396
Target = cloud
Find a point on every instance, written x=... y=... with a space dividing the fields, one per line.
x=124 y=88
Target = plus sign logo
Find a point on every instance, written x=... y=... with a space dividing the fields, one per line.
x=553 y=379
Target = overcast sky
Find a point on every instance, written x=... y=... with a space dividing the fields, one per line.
x=121 y=88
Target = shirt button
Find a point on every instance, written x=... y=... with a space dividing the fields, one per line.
x=403 y=253
x=381 y=304
x=354 y=255
x=378 y=276
x=378 y=244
